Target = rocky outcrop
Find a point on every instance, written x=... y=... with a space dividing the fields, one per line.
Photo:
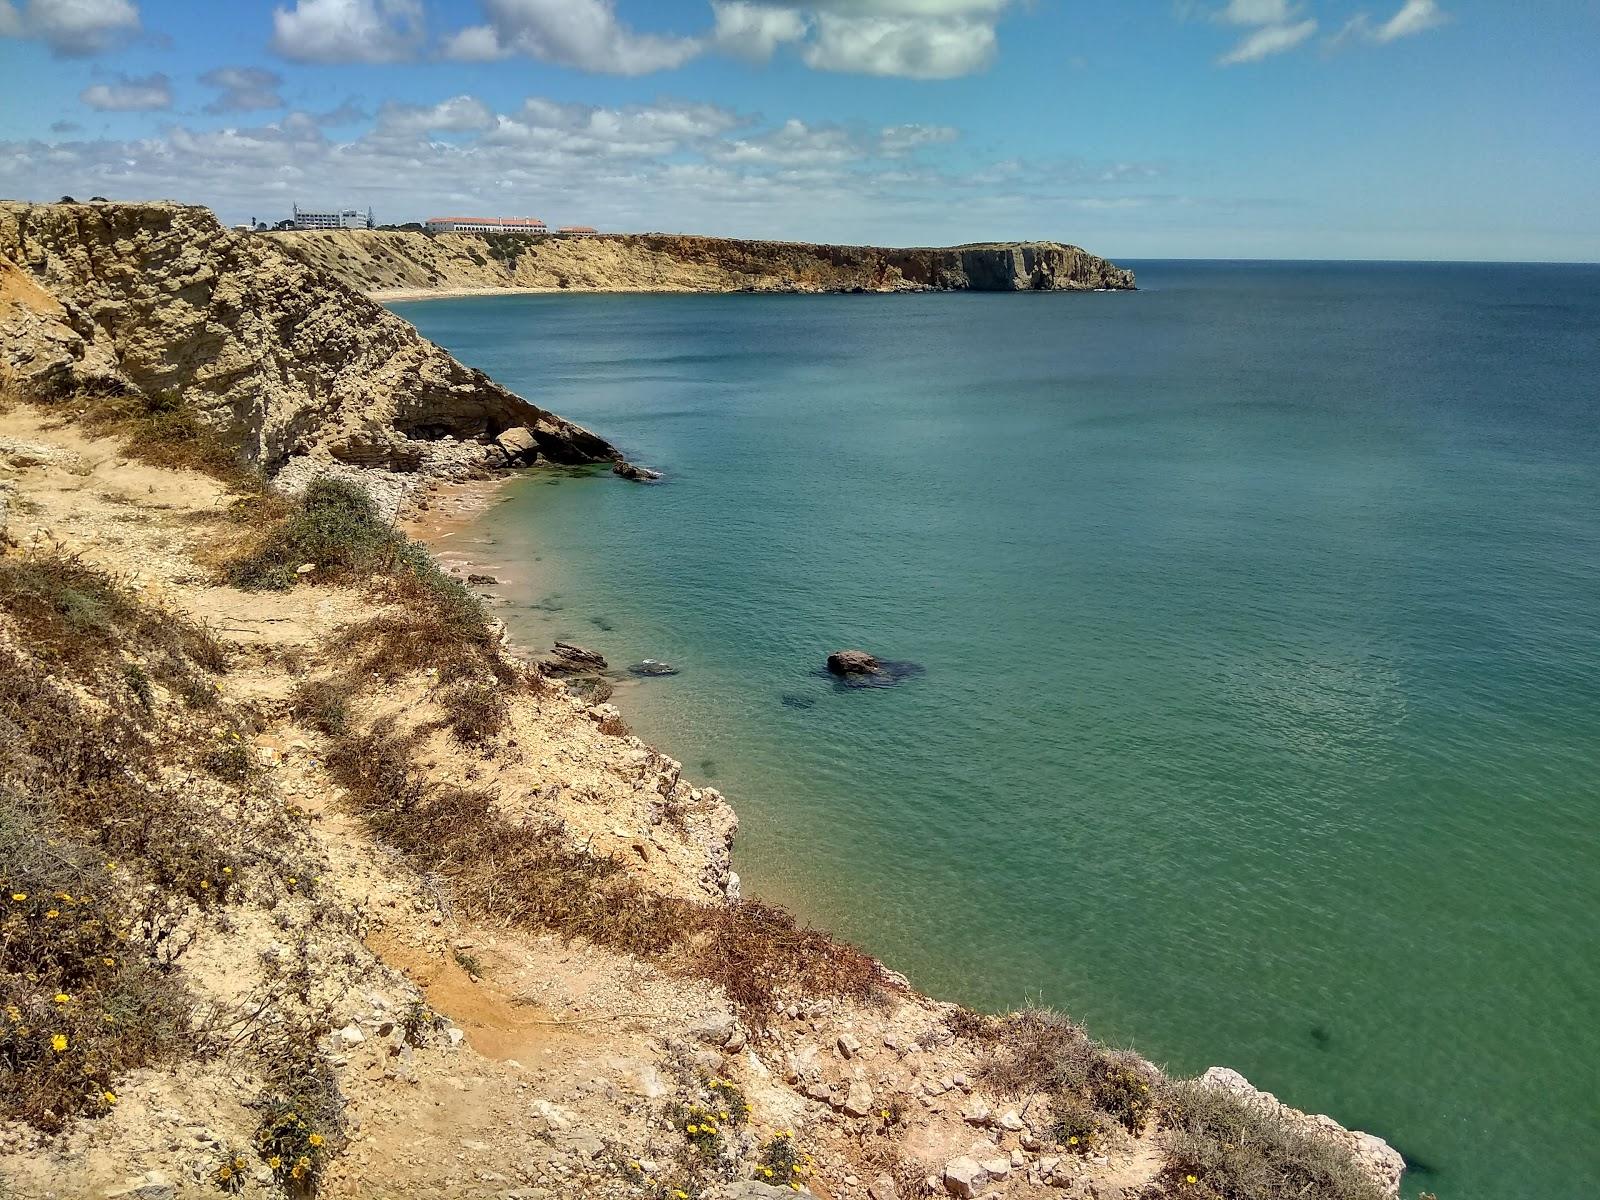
x=379 y=262
x=284 y=358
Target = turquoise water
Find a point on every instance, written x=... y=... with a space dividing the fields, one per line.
x=1260 y=619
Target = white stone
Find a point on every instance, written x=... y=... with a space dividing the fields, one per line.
x=858 y=1099
x=963 y=1177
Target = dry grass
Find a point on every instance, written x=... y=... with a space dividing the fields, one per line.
x=478 y=710
x=77 y=617
x=161 y=429
x=531 y=875
x=432 y=620
x=1091 y=1087
x=100 y=857
x=1235 y=1150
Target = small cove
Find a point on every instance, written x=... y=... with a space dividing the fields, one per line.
x=1260 y=703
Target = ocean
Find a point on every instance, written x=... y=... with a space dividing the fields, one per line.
x=1258 y=619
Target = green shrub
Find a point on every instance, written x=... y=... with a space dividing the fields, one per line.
x=335 y=527
x=302 y=1123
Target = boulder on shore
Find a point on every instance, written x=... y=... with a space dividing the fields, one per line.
x=577 y=656
x=853 y=662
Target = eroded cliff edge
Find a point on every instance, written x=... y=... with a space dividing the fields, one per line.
x=283 y=358
x=380 y=261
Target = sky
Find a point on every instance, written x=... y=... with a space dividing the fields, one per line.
x=1390 y=129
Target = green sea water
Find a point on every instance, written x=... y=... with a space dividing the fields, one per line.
x=1259 y=614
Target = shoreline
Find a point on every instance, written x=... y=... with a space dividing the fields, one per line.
x=460 y=504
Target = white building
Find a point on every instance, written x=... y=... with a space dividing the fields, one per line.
x=344 y=218
x=484 y=225
x=578 y=231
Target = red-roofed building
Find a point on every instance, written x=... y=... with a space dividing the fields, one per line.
x=484 y=225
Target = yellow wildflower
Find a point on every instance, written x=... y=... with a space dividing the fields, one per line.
x=1190 y=1179
x=227 y=870
x=1073 y=1140
x=315 y=1139
x=19 y=897
x=58 y=1042
x=109 y=1097
x=61 y=998
x=225 y=1172
x=274 y=1162
x=53 y=913
x=297 y=1171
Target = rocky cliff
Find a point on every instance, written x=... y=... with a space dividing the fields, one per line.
x=381 y=261
x=285 y=358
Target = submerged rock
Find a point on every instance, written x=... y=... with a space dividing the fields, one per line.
x=852 y=662
x=795 y=700
x=477 y=580
x=652 y=666
x=635 y=472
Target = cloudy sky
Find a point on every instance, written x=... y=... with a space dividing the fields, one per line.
x=1139 y=128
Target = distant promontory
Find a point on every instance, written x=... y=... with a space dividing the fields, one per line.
x=394 y=264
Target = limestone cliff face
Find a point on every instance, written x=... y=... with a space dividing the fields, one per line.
x=288 y=359
x=380 y=261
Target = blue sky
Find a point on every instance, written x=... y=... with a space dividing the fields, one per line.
x=1462 y=129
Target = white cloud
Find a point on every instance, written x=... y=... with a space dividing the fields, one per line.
x=902 y=139
x=918 y=39
x=587 y=131
x=1257 y=12
x=911 y=46
x=337 y=31
x=1269 y=40
x=573 y=33
x=459 y=114
x=123 y=94
x=754 y=31
x=1413 y=17
x=666 y=165
x=71 y=28
x=243 y=89
x=792 y=144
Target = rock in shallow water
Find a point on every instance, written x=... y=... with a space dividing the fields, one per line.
x=853 y=662
x=635 y=472
x=652 y=666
